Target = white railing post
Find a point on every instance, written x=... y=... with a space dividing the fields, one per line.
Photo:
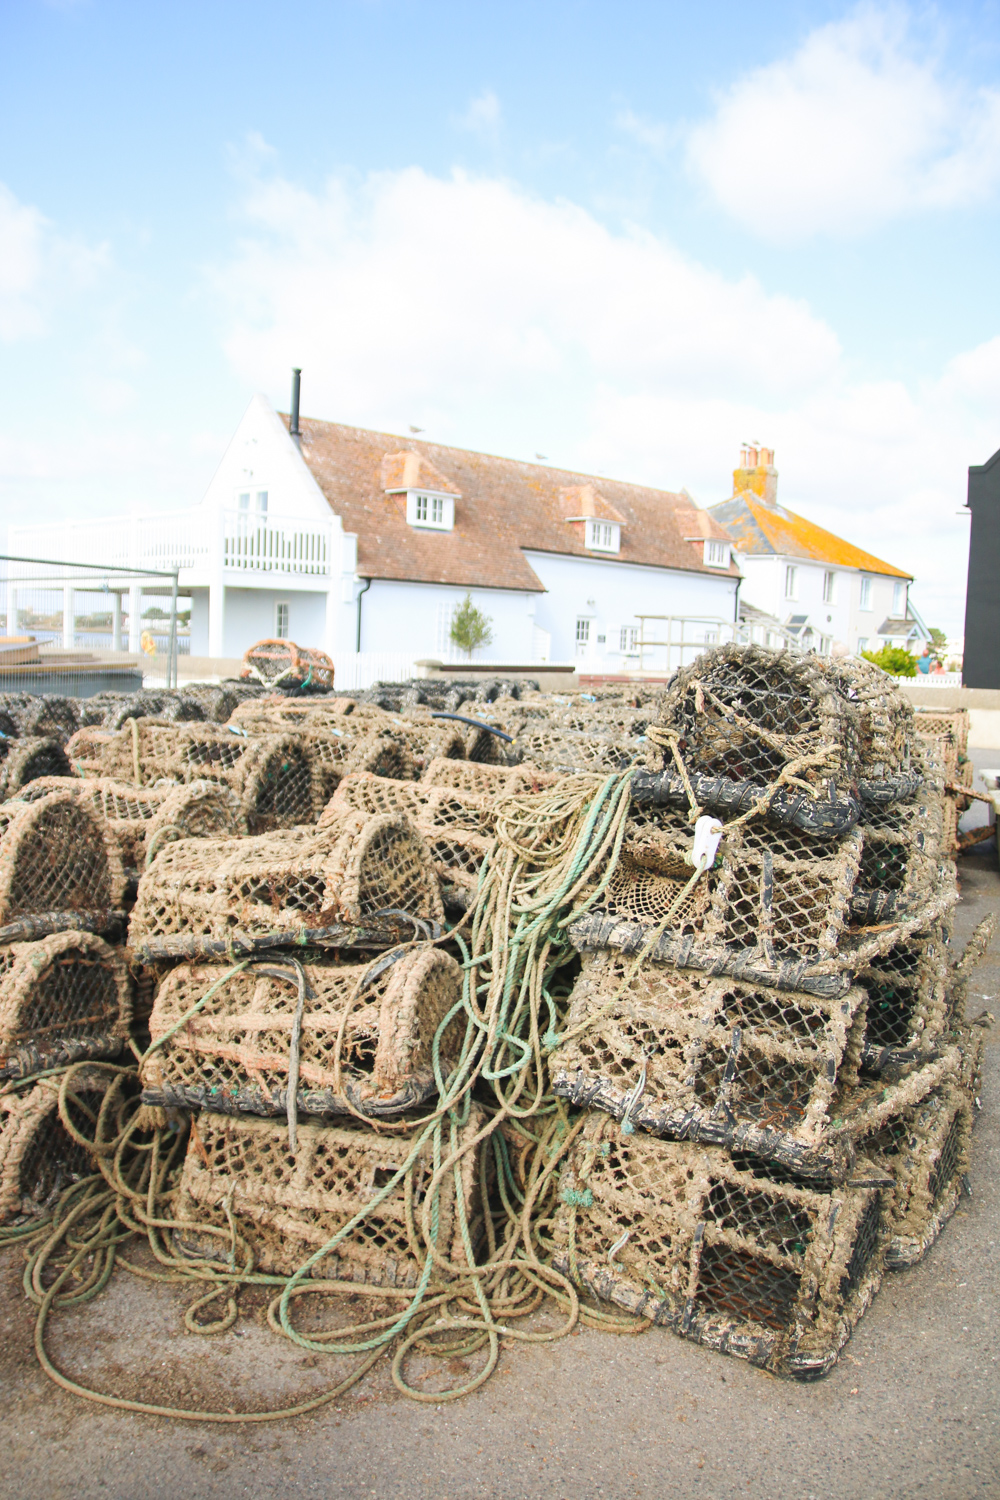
x=116 y=621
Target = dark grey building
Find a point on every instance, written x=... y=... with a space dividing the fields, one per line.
x=981 y=666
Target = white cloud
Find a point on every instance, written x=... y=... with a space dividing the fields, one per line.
x=483 y=115
x=502 y=322
x=38 y=267
x=850 y=131
x=651 y=135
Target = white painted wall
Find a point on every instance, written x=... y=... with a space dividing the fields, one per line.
x=612 y=594
x=416 y=617
x=842 y=619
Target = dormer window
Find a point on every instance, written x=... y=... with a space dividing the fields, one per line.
x=424 y=508
x=716 y=554
x=603 y=536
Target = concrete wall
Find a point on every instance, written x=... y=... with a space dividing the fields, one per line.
x=612 y=595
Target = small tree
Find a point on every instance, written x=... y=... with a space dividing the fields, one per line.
x=470 y=628
x=894 y=660
x=939 y=641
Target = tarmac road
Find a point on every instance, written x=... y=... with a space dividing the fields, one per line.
x=910 y=1411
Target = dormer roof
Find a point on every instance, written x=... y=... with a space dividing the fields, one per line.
x=583 y=502
x=412 y=471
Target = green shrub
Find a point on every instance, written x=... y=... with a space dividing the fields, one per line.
x=894 y=660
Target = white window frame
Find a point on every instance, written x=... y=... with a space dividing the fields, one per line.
x=629 y=640
x=716 y=554
x=865 y=596
x=862 y=644
x=899 y=601
x=583 y=635
x=282 y=611
x=829 y=588
x=791 y=581
x=259 y=506
x=429 y=510
x=603 y=536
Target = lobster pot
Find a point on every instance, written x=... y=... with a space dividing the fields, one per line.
x=25 y=760
x=903 y=846
x=714 y=1247
x=616 y=720
x=774 y=891
x=950 y=732
x=432 y=740
x=58 y=857
x=925 y=1149
x=336 y=754
x=684 y=1055
x=294 y=880
x=289 y=1205
x=283 y=664
x=47 y=716
x=747 y=712
x=484 y=748
x=39 y=1158
x=64 y=998
x=567 y=750
x=142 y=819
x=233 y=1056
x=273 y=776
x=907 y=999
x=167 y=707
x=885 y=726
x=469 y=776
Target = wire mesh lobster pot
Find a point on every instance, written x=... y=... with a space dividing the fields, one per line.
x=63 y=998
x=336 y=754
x=568 y=750
x=776 y=898
x=283 y=664
x=293 y=880
x=903 y=847
x=289 y=1205
x=60 y=861
x=684 y=1055
x=746 y=712
x=143 y=819
x=718 y=1248
x=908 y=1001
x=167 y=707
x=45 y=716
x=275 y=777
x=470 y=776
x=950 y=730
x=885 y=728
x=26 y=760
x=39 y=1157
x=925 y=1150
x=366 y=1043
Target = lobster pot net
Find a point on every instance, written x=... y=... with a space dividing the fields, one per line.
x=57 y=856
x=899 y=860
x=62 y=999
x=885 y=724
x=714 y=1246
x=25 y=760
x=432 y=806
x=141 y=819
x=684 y=1055
x=467 y=776
x=215 y=701
x=907 y=999
x=925 y=1150
x=378 y=753
x=47 y=716
x=287 y=1205
x=85 y=751
x=773 y=891
x=433 y=740
x=950 y=733
x=168 y=708
x=746 y=712
x=484 y=748
x=294 y=880
x=566 y=750
x=616 y=720
x=39 y=1158
x=367 y=1037
x=288 y=666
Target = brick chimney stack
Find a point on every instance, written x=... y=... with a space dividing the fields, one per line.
x=757 y=474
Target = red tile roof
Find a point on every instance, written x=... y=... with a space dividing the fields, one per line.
x=501 y=507
x=759 y=529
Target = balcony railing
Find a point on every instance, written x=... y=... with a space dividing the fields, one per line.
x=286 y=545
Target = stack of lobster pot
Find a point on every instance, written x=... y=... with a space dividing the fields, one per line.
x=292 y=1016
x=766 y=1031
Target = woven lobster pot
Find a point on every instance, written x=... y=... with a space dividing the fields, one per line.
x=773 y=890
x=167 y=707
x=25 y=760
x=950 y=729
x=337 y=754
x=469 y=776
x=232 y=1057
x=39 y=1158
x=57 y=856
x=47 y=716
x=899 y=861
x=142 y=819
x=716 y=1248
x=746 y=712
x=681 y=1054
x=64 y=998
x=568 y=750
x=885 y=722
x=432 y=739
x=284 y=664
x=275 y=777
x=908 y=1000
x=287 y=1206
x=483 y=748
x=291 y=880
x=925 y=1150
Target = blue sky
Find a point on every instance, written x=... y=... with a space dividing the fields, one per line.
x=626 y=236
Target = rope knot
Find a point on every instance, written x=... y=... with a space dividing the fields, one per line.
x=578 y=1197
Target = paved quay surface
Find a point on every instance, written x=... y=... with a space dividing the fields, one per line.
x=911 y=1410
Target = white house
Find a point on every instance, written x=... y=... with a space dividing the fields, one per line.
x=364 y=541
x=820 y=587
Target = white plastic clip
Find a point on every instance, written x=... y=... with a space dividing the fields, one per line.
x=707 y=834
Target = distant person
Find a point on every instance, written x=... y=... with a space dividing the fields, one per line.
x=937 y=667
x=924 y=662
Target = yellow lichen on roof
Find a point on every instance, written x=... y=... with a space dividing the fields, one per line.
x=793 y=536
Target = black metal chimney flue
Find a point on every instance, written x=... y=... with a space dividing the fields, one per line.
x=293 y=426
